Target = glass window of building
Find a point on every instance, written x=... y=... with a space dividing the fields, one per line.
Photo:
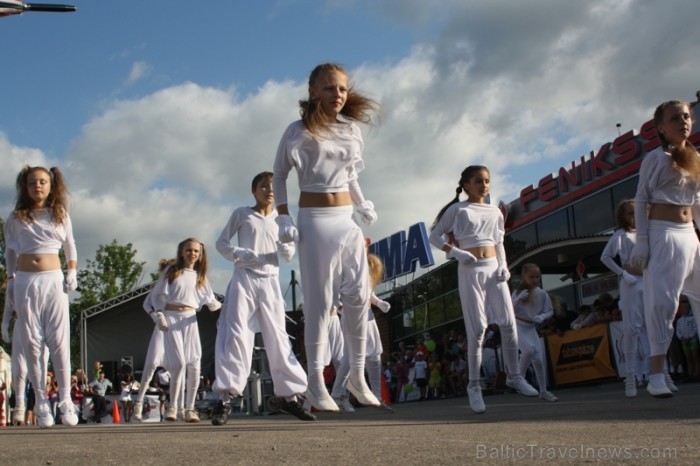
x=553 y=227
x=521 y=239
x=594 y=214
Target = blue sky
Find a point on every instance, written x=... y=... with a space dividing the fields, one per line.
x=161 y=112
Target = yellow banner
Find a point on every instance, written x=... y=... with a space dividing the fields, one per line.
x=580 y=355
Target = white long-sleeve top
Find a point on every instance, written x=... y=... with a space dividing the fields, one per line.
x=42 y=236
x=621 y=244
x=324 y=165
x=662 y=183
x=537 y=308
x=256 y=232
x=183 y=291
x=472 y=224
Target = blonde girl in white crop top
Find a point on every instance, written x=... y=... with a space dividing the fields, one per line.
x=36 y=230
x=665 y=206
x=325 y=148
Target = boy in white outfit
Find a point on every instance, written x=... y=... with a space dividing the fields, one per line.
x=254 y=300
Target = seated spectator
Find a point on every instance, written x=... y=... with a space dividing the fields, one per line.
x=586 y=317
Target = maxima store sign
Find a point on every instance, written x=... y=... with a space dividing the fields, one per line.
x=401 y=254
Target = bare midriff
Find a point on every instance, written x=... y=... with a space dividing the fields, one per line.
x=307 y=199
x=671 y=213
x=38 y=262
x=175 y=307
x=482 y=252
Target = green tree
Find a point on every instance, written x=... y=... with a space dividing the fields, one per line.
x=113 y=272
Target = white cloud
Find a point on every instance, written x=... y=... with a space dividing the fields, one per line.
x=139 y=70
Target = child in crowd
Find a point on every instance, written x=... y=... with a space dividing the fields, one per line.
x=420 y=374
x=35 y=231
x=586 y=317
x=128 y=385
x=532 y=306
x=635 y=343
x=254 y=303
x=687 y=333
x=180 y=292
x=478 y=231
x=325 y=148
x=667 y=247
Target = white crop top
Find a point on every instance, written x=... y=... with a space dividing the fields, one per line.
x=42 y=236
x=323 y=165
x=255 y=232
x=537 y=307
x=660 y=182
x=473 y=225
x=182 y=291
x=621 y=243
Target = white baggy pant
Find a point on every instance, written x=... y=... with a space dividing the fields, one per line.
x=333 y=264
x=337 y=356
x=479 y=287
x=183 y=354
x=155 y=357
x=673 y=269
x=635 y=341
x=41 y=304
x=255 y=301
x=532 y=352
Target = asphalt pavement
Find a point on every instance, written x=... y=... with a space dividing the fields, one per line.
x=589 y=424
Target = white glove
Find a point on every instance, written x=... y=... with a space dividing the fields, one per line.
x=383 y=305
x=522 y=296
x=464 y=257
x=159 y=319
x=71 y=280
x=629 y=278
x=640 y=252
x=286 y=250
x=244 y=255
x=367 y=213
x=214 y=306
x=503 y=273
x=287 y=229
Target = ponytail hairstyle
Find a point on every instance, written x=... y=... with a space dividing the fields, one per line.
x=175 y=270
x=358 y=107
x=56 y=201
x=467 y=174
x=527 y=267
x=684 y=157
x=621 y=220
x=376 y=270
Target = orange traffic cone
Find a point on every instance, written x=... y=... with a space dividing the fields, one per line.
x=116 y=418
x=386 y=396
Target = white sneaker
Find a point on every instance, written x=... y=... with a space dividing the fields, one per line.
x=69 y=413
x=670 y=384
x=44 y=416
x=548 y=396
x=191 y=415
x=659 y=392
x=362 y=393
x=171 y=414
x=630 y=387
x=476 y=400
x=138 y=410
x=521 y=386
x=344 y=404
x=18 y=416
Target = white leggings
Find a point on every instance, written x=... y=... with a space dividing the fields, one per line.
x=673 y=269
x=183 y=353
x=41 y=304
x=333 y=264
x=480 y=288
x=255 y=301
